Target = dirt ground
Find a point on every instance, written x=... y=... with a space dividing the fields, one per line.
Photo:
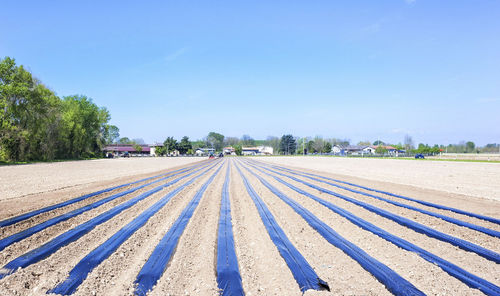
x=19 y=180
x=474 y=179
x=192 y=267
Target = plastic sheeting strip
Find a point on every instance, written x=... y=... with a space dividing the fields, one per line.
x=466 y=277
x=5 y=242
x=463 y=244
x=393 y=281
x=157 y=262
x=426 y=203
x=69 y=236
x=398 y=204
x=25 y=216
x=79 y=273
x=303 y=273
x=228 y=274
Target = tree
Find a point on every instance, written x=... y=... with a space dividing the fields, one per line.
x=310 y=147
x=380 y=150
x=124 y=140
x=364 y=143
x=469 y=147
x=111 y=134
x=184 y=145
x=82 y=123
x=287 y=144
x=319 y=144
x=215 y=140
x=231 y=141
x=408 y=142
x=238 y=150
x=170 y=145
x=137 y=147
x=327 y=148
x=378 y=143
x=246 y=140
x=138 y=141
x=160 y=150
x=273 y=142
x=37 y=125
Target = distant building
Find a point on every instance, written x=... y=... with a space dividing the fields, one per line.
x=119 y=149
x=228 y=151
x=355 y=149
x=153 y=147
x=204 y=151
x=260 y=150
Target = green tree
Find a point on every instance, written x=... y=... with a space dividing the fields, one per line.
x=215 y=140
x=184 y=146
x=170 y=145
x=310 y=146
x=380 y=150
x=138 y=147
x=327 y=148
x=82 y=123
x=287 y=144
x=238 y=149
x=160 y=150
x=29 y=123
x=124 y=140
x=378 y=143
x=37 y=125
x=111 y=134
x=469 y=147
x=246 y=140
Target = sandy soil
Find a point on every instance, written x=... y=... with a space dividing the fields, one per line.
x=191 y=270
x=475 y=179
x=19 y=180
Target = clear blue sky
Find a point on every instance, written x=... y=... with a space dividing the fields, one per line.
x=346 y=69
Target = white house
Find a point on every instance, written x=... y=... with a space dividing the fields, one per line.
x=260 y=150
x=369 y=150
x=204 y=151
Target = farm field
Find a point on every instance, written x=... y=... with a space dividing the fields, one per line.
x=471 y=179
x=253 y=226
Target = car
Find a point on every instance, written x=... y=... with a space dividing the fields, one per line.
x=419 y=156
x=125 y=154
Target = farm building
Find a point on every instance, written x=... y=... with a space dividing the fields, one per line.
x=260 y=150
x=119 y=149
x=204 y=151
x=228 y=151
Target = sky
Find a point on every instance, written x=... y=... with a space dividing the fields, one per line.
x=358 y=70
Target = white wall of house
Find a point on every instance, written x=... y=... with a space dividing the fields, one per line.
x=369 y=150
x=336 y=149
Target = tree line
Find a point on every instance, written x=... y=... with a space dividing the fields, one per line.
x=36 y=124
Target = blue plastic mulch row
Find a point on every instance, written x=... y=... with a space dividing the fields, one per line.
x=466 y=277
x=228 y=274
x=426 y=203
x=463 y=244
x=388 y=277
x=157 y=262
x=79 y=273
x=303 y=273
x=5 y=242
x=443 y=217
x=71 y=235
x=25 y=216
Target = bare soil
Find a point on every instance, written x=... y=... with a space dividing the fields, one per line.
x=192 y=269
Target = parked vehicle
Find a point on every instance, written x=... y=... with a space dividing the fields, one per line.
x=125 y=154
x=419 y=156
